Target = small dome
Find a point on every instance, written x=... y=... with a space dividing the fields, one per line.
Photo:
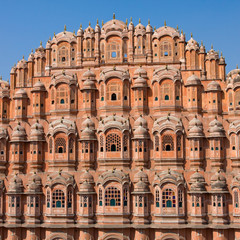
x=193 y=80
x=236 y=79
x=38 y=86
x=15 y=185
x=213 y=86
x=19 y=133
x=140 y=29
x=21 y=93
x=86 y=177
x=31 y=57
x=88 y=134
x=88 y=85
x=195 y=122
x=216 y=129
x=140 y=133
x=97 y=28
x=140 y=122
x=141 y=175
x=34 y=184
x=140 y=72
x=89 y=74
x=149 y=28
x=192 y=45
x=88 y=123
x=196 y=131
x=80 y=31
x=86 y=187
x=197 y=182
x=37 y=132
x=22 y=64
x=140 y=83
x=141 y=186
x=218 y=182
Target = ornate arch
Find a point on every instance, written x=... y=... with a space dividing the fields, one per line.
x=114 y=73
x=60 y=236
x=114 y=236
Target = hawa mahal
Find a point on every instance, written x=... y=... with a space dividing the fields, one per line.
x=120 y=132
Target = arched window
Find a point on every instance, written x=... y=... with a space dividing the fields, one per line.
x=58 y=199
x=113 y=50
x=101 y=143
x=166 y=91
x=155 y=91
x=48 y=199
x=62 y=97
x=71 y=145
x=236 y=199
x=60 y=145
x=69 y=199
x=180 y=198
x=165 y=49
x=113 y=143
x=230 y=97
x=167 y=143
x=112 y=197
x=113 y=91
x=157 y=198
x=125 y=197
x=100 y=197
x=157 y=143
x=62 y=55
x=50 y=145
x=168 y=198
x=237 y=98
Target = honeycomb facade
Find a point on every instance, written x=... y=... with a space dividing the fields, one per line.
x=120 y=132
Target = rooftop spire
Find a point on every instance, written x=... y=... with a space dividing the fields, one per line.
x=65 y=28
x=126 y=21
x=102 y=22
x=165 y=24
x=191 y=35
x=131 y=19
x=211 y=46
x=148 y=21
x=139 y=20
x=97 y=21
x=237 y=66
x=201 y=43
x=113 y=15
x=89 y=24
x=182 y=32
x=154 y=28
x=40 y=43
x=177 y=27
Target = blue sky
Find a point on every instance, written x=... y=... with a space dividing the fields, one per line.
x=23 y=24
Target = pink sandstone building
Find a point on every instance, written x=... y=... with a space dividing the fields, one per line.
x=117 y=133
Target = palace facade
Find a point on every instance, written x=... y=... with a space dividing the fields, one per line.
x=117 y=133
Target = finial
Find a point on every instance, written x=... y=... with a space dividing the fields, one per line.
x=54 y=34
x=32 y=51
x=74 y=32
x=1 y=77
x=65 y=28
x=191 y=35
x=177 y=27
x=221 y=54
x=182 y=32
x=102 y=22
x=89 y=24
x=126 y=21
x=23 y=57
x=80 y=26
x=155 y=29
x=113 y=15
x=237 y=66
x=131 y=19
x=165 y=24
x=50 y=38
x=211 y=46
x=148 y=21
x=40 y=43
x=139 y=20
x=201 y=43
x=97 y=21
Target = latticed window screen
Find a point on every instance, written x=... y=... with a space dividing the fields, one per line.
x=165 y=49
x=167 y=143
x=112 y=197
x=62 y=96
x=113 y=50
x=177 y=92
x=125 y=196
x=168 y=198
x=157 y=196
x=156 y=143
x=230 y=96
x=50 y=145
x=236 y=199
x=48 y=198
x=60 y=145
x=58 y=199
x=125 y=141
x=166 y=91
x=62 y=55
x=155 y=91
x=180 y=198
x=113 y=88
x=102 y=92
x=237 y=98
x=113 y=143
x=179 y=143
x=100 y=197
x=69 y=199
x=71 y=145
